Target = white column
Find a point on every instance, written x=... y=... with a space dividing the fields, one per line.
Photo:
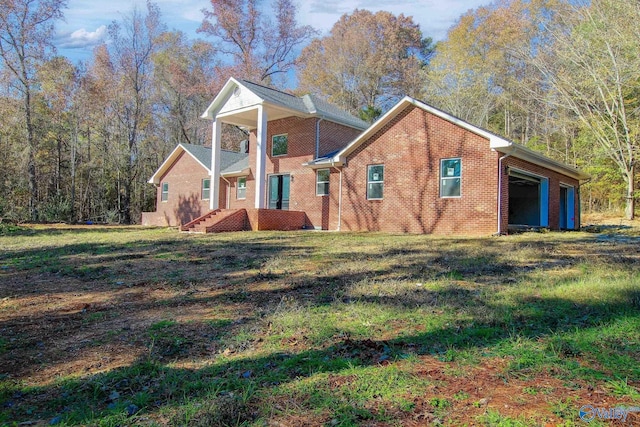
x=214 y=195
x=261 y=158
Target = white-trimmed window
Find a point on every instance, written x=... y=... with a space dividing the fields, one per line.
x=242 y=188
x=322 y=182
x=206 y=189
x=164 y=196
x=450 y=177
x=279 y=145
x=375 y=182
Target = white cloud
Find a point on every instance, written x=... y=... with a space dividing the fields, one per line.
x=434 y=16
x=82 y=38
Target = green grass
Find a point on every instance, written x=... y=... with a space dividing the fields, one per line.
x=134 y=326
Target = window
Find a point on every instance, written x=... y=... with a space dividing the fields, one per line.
x=242 y=188
x=279 y=145
x=322 y=182
x=375 y=182
x=165 y=192
x=450 y=170
x=206 y=189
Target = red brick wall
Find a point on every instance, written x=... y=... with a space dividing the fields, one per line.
x=270 y=219
x=321 y=210
x=235 y=220
x=185 y=200
x=334 y=137
x=411 y=146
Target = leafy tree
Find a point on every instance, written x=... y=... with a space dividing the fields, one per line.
x=367 y=62
x=594 y=69
x=261 y=49
x=26 y=30
x=481 y=72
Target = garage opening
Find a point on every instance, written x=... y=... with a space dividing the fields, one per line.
x=528 y=200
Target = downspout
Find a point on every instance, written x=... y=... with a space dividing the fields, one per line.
x=228 y=191
x=500 y=176
x=318 y=136
x=339 y=196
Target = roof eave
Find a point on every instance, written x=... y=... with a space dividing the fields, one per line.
x=526 y=154
x=329 y=163
x=495 y=142
x=220 y=99
x=376 y=126
x=233 y=174
x=170 y=160
x=155 y=178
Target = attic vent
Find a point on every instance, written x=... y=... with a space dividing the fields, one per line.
x=244 y=146
x=236 y=91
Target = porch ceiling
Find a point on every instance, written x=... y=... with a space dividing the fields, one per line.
x=248 y=117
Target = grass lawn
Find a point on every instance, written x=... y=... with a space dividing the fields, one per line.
x=115 y=326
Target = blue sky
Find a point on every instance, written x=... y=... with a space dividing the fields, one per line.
x=86 y=21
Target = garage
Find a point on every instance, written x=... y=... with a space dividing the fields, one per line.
x=528 y=199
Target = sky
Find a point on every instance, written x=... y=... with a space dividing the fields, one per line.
x=86 y=21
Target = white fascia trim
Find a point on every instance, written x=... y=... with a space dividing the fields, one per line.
x=495 y=142
x=220 y=99
x=155 y=178
x=526 y=154
x=399 y=107
x=233 y=174
x=330 y=163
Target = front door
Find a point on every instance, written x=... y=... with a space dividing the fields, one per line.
x=279 y=191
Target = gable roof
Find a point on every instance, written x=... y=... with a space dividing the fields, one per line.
x=496 y=142
x=231 y=162
x=305 y=106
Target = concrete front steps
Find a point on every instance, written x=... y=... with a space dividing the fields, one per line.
x=226 y=220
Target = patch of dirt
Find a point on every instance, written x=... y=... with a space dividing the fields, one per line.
x=196 y=305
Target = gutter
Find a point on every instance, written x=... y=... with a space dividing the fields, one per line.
x=318 y=136
x=339 y=197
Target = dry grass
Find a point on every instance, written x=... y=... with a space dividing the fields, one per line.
x=121 y=326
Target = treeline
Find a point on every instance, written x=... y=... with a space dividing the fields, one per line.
x=78 y=142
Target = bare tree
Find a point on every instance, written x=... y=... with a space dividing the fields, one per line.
x=187 y=78
x=594 y=68
x=260 y=48
x=26 y=29
x=129 y=60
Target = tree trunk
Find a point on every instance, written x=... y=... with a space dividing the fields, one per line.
x=31 y=160
x=631 y=200
x=74 y=142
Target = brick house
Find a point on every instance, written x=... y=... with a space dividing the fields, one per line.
x=309 y=165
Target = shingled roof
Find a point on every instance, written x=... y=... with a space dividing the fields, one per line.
x=308 y=104
x=231 y=162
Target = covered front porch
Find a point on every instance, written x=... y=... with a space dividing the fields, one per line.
x=251 y=107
